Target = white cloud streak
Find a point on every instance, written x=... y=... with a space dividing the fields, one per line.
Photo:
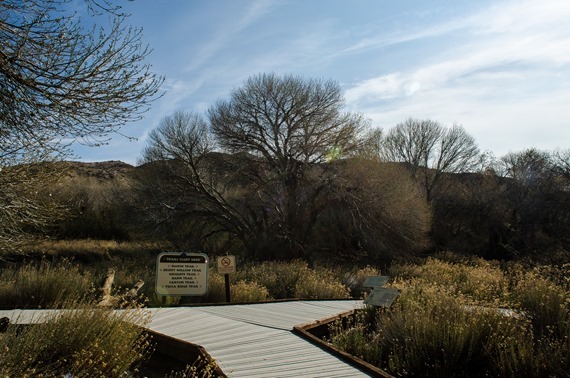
x=256 y=10
x=509 y=78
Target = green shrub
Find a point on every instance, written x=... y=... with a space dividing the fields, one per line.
x=83 y=342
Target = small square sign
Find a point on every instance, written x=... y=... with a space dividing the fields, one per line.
x=226 y=264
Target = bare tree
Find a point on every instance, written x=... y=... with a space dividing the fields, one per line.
x=291 y=124
x=374 y=211
x=183 y=149
x=429 y=148
x=529 y=167
x=289 y=121
x=372 y=143
x=61 y=82
x=275 y=138
x=561 y=160
x=24 y=209
x=539 y=201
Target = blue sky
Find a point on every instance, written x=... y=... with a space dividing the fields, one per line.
x=499 y=68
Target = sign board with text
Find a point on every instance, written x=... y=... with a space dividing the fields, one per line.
x=382 y=297
x=180 y=274
x=226 y=264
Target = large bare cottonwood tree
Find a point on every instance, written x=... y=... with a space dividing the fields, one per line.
x=282 y=133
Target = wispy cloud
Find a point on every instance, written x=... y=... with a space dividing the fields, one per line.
x=512 y=69
x=229 y=30
x=398 y=37
x=501 y=35
x=500 y=69
x=254 y=11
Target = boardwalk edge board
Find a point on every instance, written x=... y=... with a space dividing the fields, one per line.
x=313 y=332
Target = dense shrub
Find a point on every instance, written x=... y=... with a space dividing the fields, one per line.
x=320 y=284
x=475 y=278
x=354 y=280
x=447 y=323
x=244 y=291
x=280 y=278
x=83 y=342
x=97 y=206
x=294 y=279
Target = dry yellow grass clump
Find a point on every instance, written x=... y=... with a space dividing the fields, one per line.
x=448 y=322
x=81 y=342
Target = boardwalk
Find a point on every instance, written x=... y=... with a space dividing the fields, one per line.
x=252 y=340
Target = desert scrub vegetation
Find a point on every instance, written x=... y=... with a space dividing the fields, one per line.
x=81 y=342
x=294 y=279
x=50 y=283
x=50 y=272
x=447 y=322
x=90 y=250
x=354 y=279
x=43 y=284
x=259 y=282
x=66 y=272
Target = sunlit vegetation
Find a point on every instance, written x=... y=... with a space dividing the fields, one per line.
x=49 y=282
x=456 y=314
x=82 y=341
x=467 y=317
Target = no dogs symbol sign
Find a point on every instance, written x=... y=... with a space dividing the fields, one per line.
x=226 y=264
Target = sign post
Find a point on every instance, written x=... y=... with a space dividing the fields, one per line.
x=181 y=274
x=227 y=265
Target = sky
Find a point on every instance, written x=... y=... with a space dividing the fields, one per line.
x=501 y=69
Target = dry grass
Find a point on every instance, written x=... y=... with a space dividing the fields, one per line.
x=92 y=248
x=43 y=285
x=294 y=279
x=69 y=270
x=444 y=325
x=83 y=342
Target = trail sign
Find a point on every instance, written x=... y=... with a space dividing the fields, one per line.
x=226 y=264
x=382 y=297
x=181 y=274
